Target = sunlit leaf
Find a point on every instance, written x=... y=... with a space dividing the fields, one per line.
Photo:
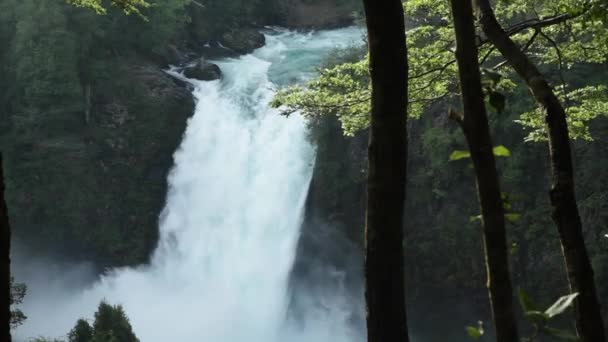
x=501 y=151
x=513 y=217
x=537 y=316
x=514 y=248
x=526 y=303
x=474 y=332
x=561 y=305
x=475 y=218
x=459 y=154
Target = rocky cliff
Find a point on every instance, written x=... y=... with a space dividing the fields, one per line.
x=94 y=191
x=307 y=14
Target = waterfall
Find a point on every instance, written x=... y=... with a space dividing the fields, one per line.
x=229 y=230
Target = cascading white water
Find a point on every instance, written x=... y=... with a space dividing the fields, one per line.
x=231 y=223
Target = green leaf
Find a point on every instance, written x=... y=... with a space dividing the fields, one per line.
x=512 y=217
x=561 y=305
x=526 y=303
x=559 y=334
x=474 y=332
x=514 y=248
x=501 y=151
x=459 y=154
x=537 y=317
x=498 y=101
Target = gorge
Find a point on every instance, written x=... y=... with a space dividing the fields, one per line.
x=209 y=216
x=234 y=209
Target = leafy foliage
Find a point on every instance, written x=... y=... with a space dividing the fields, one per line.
x=579 y=36
x=584 y=105
x=128 y=6
x=541 y=319
x=499 y=151
x=477 y=332
x=82 y=332
x=111 y=325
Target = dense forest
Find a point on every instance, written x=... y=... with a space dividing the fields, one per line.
x=459 y=183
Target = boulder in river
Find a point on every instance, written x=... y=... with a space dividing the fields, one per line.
x=244 y=40
x=204 y=71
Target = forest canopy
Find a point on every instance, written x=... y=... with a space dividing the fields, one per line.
x=128 y=6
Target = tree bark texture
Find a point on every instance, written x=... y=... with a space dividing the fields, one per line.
x=474 y=123
x=384 y=257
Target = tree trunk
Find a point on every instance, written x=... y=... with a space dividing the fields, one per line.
x=5 y=262
x=87 y=104
x=565 y=214
x=384 y=273
x=476 y=129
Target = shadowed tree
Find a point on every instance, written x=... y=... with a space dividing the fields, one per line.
x=82 y=332
x=474 y=123
x=111 y=324
x=384 y=274
x=563 y=201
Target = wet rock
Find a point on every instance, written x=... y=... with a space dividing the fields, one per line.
x=243 y=41
x=204 y=71
x=214 y=50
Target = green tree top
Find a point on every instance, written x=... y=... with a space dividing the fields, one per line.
x=128 y=6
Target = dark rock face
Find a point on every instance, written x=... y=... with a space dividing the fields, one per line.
x=329 y=256
x=316 y=14
x=172 y=55
x=244 y=40
x=94 y=191
x=215 y=51
x=203 y=71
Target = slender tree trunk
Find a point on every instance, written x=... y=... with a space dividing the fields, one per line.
x=474 y=123
x=384 y=274
x=5 y=262
x=565 y=214
x=87 y=104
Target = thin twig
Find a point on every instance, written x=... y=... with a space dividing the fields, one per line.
x=560 y=65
